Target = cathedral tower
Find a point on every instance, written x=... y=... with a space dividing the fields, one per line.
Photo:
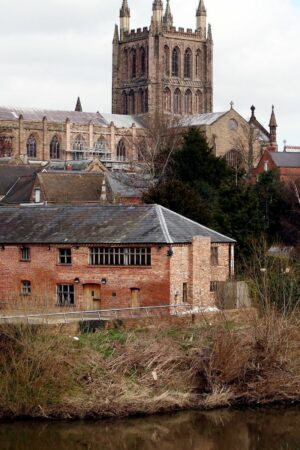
x=162 y=68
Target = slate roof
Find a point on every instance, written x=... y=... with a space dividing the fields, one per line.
x=146 y=224
x=127 y=185
x=68 y=187
x=286 y=159
x=9 y=175
x=81 y=118
x=20 y=192
x=200 y=119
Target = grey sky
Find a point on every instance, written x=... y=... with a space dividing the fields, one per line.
x=54 y=50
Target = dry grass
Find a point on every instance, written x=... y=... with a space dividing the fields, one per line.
x=117 y=372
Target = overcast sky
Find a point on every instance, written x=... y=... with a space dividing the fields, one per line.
x=54 y=50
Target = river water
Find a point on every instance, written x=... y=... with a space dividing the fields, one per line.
x=270 y=429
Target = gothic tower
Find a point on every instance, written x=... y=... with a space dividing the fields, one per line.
x=162 y=68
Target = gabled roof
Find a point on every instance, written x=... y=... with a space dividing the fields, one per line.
x=20 y=192
x=146 y=224
x=286 y=159
x=9 y=174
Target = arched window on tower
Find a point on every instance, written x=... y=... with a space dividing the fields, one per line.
x=188 y=63
x=188 y=107
x=31 y=147
x=133 y=63
x=141 y=101
x=198 y=63
x=125 y=64
x=166 y=61
x=175 y=62
x=125 y=102
x=121 y=151
x=54 y=148
x=199 y=102
x=177 y=101
x=78 y=147
x=146 y=100
x=143 y=61
x=131 y=106
x=167 y=100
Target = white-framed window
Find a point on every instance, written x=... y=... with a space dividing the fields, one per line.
x=25 y=254
x=120 y=256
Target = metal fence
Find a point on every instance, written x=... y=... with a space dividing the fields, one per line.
x=102 y=314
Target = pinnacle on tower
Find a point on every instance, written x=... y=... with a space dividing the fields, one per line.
x=157 y=15
x=201 y=9
x=125 y=11
x=78 y=106
x=116 y=34
x=168 y=18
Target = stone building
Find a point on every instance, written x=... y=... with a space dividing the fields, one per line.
x=102 y=257
x=162 y=68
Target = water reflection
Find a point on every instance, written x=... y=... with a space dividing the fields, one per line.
x=221 y=430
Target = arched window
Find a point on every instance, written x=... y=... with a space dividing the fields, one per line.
x=121 y=151
x=125 y=66
x=54 y=148
x=78 y=147
x=143 y=61
x=5 y=146
x=175 y=62
x=100 y=145
x=188 y=108
x=188 y=63
x=199 y=102
x=125 y=102
x=167 y=61
x=131 y=107
x=141 y=101
x=133 y=63
x=198 y=63
x=167 y=100
x=31 y=147
x=146 y=100
x=177 y=101
x=234 y=159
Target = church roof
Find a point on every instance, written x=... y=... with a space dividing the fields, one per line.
x=200 y=119
x=286 y=159
x=118 y=224
x=81 y=118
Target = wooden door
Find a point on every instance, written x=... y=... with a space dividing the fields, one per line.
x=135 y=298
x=92 y=296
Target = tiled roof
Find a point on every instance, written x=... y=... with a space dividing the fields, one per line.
x=148 y=224
x=286 y=159
x=9 y=174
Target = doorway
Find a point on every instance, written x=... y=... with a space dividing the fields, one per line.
x=92 y=296
x=135 y=298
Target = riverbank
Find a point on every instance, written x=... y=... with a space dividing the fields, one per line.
x=120 y=372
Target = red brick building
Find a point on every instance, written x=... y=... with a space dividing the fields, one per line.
x=287 y=165
x=101 y=257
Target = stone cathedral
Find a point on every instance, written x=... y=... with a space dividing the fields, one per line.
x=162 y=68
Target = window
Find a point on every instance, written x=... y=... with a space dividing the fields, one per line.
x=121 y=151
x=119 y=256
x=199 y=102
x=54 y=148
x=5 y=146
x=125 y=103
x=25 y=288
x=198 y=64
x=133 y=63
x=232 y=124
x=125 y=67
x=131 y=102
x=25 y=254
x=184 y=293
x=167 y=100
x=143 y=61
x=141 y=101
x=78 y=147
x=214 y=260
x=177 y=101
x=31 y=147
x=65 y=256
x=214 y=286
x=175 y=62
x=234 y=159
x=188 y=63
x=65 y=295
x=266 y=166
x=100 y=144
x=188 y=102
x=166 y=61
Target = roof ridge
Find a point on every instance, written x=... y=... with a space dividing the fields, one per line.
x=196 y=223
x=163 y=224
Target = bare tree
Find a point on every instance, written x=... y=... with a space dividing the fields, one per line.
x=245 y=144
